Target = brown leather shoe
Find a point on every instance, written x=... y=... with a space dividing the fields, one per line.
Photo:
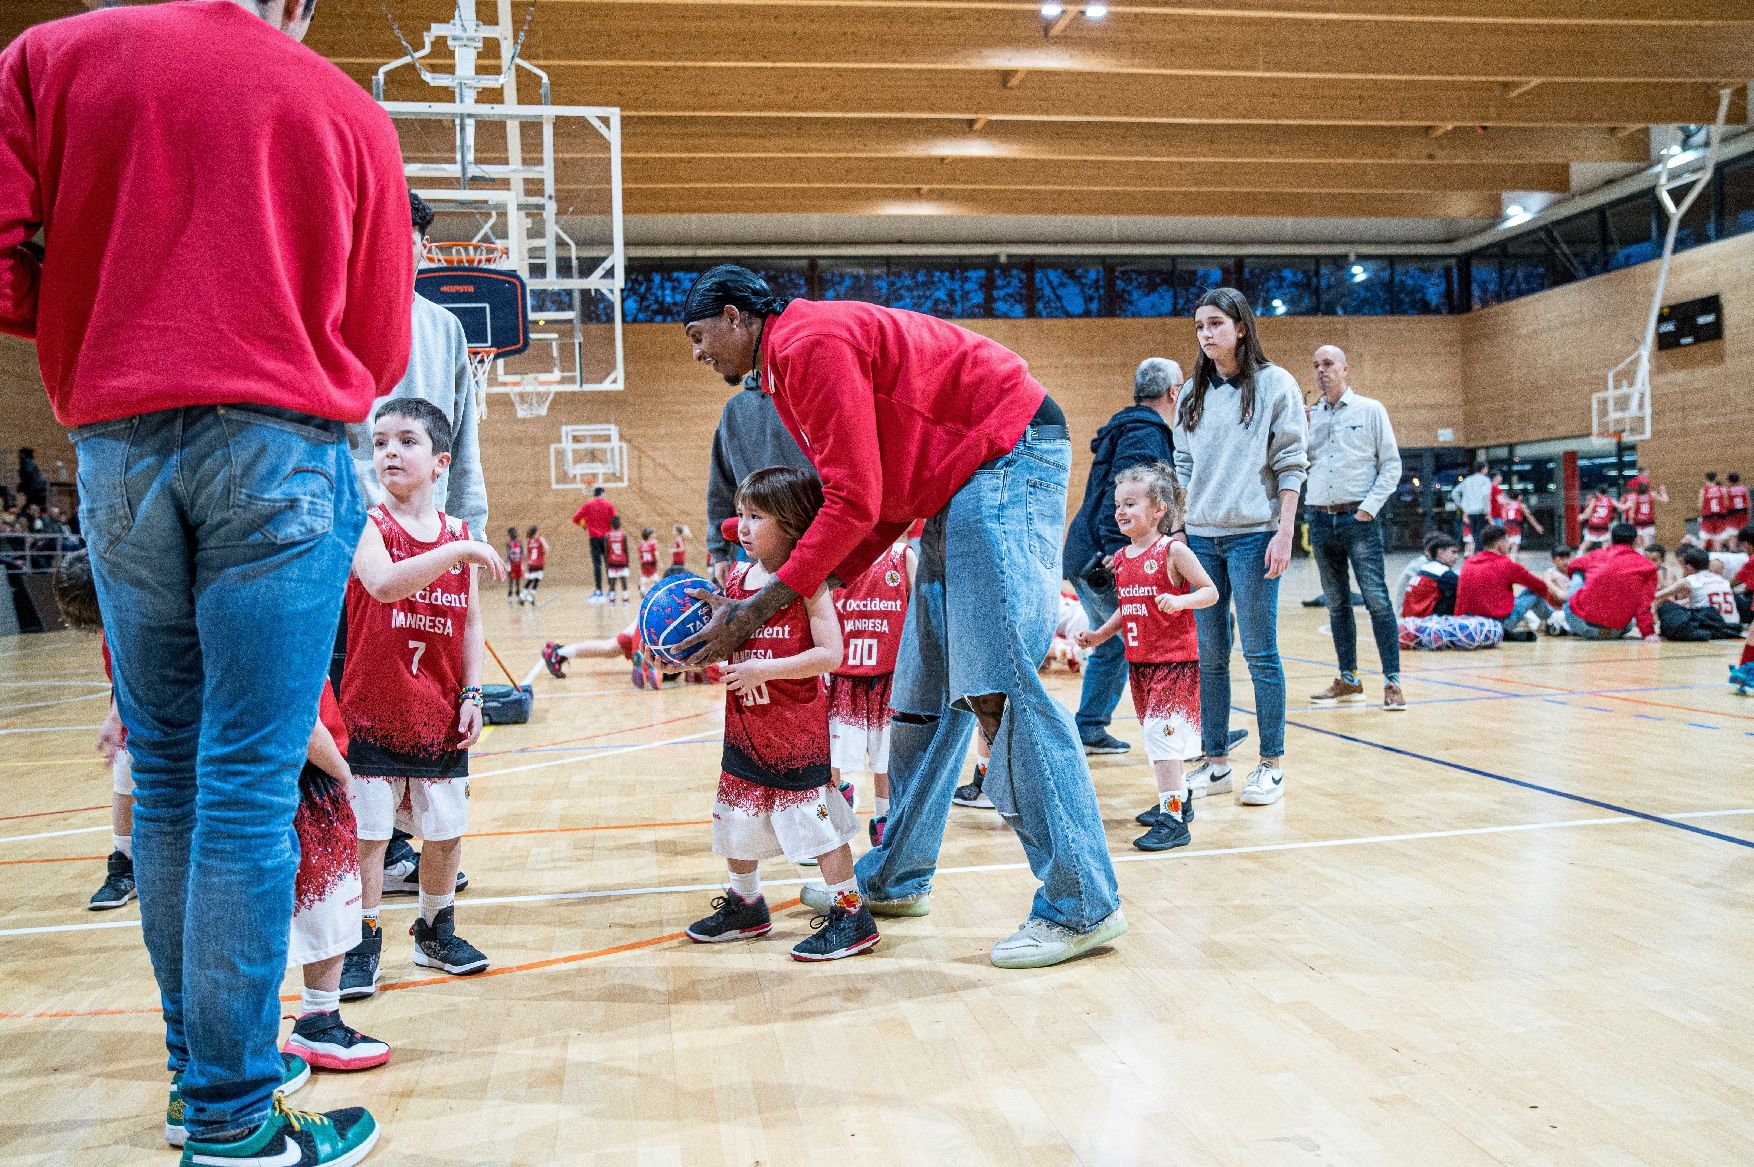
x=1393 y=701
x=1339 y=693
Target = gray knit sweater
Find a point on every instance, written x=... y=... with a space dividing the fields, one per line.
x=1234 y=473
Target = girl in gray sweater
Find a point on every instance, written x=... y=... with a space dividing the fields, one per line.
x=1239 y=451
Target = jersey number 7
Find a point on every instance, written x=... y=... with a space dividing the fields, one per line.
x=419 y=647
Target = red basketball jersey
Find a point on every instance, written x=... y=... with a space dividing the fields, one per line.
x=776 y=734
x=1736 y=498
x=1151 y=634
x=617 y=548
x=514 y=552
x=1601 y=512
x=1644 y=510
x=1712 y=503
x=535 y=553
x=1510 y=513
x=679 y=552
x=872 y=610
x=405 y=665
x=648 y=557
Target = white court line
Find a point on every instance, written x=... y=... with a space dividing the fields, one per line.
x=52 y=729
x=52 y=834
x=39 y=684
x=57 y=701
x=1257 y=849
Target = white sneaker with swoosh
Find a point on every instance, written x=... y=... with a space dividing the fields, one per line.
x=1265 y=786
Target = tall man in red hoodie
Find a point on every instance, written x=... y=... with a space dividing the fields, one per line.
x=905 y=415
x=224 y=282
x=1619 y=586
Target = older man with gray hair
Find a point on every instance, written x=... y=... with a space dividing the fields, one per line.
x=1136 y=435
x=1354 y=468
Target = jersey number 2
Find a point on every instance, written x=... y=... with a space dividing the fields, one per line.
x=419 y=647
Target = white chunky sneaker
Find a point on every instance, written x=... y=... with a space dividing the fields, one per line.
x=1265 y=786
x=1039 y=943
x=1207 y=779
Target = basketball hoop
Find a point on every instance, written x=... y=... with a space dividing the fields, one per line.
x=480 y=367
x=528 y=401
x=465 y=254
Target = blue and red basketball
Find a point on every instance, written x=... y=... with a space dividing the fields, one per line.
x=668 y=616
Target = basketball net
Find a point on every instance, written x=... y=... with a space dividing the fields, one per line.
x=531 y=401
x=465 y=254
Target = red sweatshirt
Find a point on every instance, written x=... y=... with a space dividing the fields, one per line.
x=896 y=410
x=1619 y=586
x=1487 y=585
x=226 y=217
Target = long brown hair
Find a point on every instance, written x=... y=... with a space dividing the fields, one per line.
x=1249 y=360
x=790 y=497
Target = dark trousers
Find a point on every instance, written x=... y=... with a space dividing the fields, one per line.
x=599 y=557
x=1341 y=541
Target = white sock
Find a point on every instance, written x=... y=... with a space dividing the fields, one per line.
x=123 y=843
x=1174 y=803
x=882 y=806
x=319 y=1000
x=850 y=887
x=431 y=906
x=747 y=885
x=370 y=914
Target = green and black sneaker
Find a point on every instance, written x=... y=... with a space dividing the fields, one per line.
x=293 y=1138
x=297 y=1072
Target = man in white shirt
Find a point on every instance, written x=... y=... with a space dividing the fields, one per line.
x=1474 y=496
x=1354 y=466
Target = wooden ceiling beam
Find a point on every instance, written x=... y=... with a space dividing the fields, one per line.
x=766 y=92
x=870 y=137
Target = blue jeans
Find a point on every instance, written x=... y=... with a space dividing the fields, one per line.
x=1105 y=670
x=1238 y=567
x=1526 y=602
x=1582 y=628
x=1339 y=541
x=220 y=543
x=984 y=607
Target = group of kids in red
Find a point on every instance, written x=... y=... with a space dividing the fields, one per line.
x=1622 y=580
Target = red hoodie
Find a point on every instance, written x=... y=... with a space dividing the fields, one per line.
x=896 y=410
x=225 y=212
x=1619 y=586
x=1488 y=585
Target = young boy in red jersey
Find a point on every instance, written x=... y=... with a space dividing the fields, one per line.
x=1736 y=508
x=1597 y=517
x=1714 y=512
x=1514 y=514
x=872 y=610
x=535 y=559
x=615 y=550
x=648 y=560
x=1640 y=509
x=514 y=565
x=1159 y=583
x=411 y=690
x=679 y=548
x=775 y=793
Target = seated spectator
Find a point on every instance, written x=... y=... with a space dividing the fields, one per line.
x=1433 y=589
x=1488 y=584
x=1741 y=576
x=1619 y=587
x=1668 y=574
x=1700 y=606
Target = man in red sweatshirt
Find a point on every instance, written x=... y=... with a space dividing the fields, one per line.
x=224 y=281
x=905 y=415
x=1488 y=584
x=1619 y=586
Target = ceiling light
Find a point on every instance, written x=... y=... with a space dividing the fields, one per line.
x=1278 y=306
x=1359 y=275
x=1051 y=9
x=1096 y=11
x=1672 y=149
x=1514 y=211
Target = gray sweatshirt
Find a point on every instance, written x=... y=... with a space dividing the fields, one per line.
x=750 y=437
x=1234 y=474
x=438 y=373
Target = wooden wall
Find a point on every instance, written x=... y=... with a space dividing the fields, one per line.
x=1533 y=363
x=1520 y=371
x=27 y=418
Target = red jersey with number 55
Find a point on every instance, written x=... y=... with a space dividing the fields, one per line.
x=1151 y=635
x=776 y=734
x=405 y=665
x=872 y=610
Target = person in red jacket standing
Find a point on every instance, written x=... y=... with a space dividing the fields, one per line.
x=1619 y=587
x=1488 y=583
x=217 y=492
x=594 y=518
x=905 y=415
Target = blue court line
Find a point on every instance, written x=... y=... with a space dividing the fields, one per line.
x=1535 y=786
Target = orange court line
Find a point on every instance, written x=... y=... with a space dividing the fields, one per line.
x=6 y=818
x=505 y=970
x=567 y=741
x=1616 y=697
x=575 y=830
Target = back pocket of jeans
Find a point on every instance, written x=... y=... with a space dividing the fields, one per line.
x=1045 y=504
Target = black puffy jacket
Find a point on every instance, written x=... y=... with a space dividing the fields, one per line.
x=1133 y=436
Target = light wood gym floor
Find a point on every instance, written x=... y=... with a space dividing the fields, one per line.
x=1509 y=926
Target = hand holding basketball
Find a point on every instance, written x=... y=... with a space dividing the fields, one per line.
x=723 y=634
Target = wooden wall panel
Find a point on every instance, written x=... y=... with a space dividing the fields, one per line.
x=1533 y=363
x=27 y=418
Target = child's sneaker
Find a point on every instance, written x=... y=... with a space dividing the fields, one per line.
x=851 y=793
x=118 y=886
x=295 y=1072
x=403 y=879
x=329 y=1043
x=875 y=829
x=294 y=1138
x=437 y=945
x=1167 y=833
x=971 y=794
x=733 y=918
x=552 y=658
x=840 y=933
x=1151 y=815
x=359 y=968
